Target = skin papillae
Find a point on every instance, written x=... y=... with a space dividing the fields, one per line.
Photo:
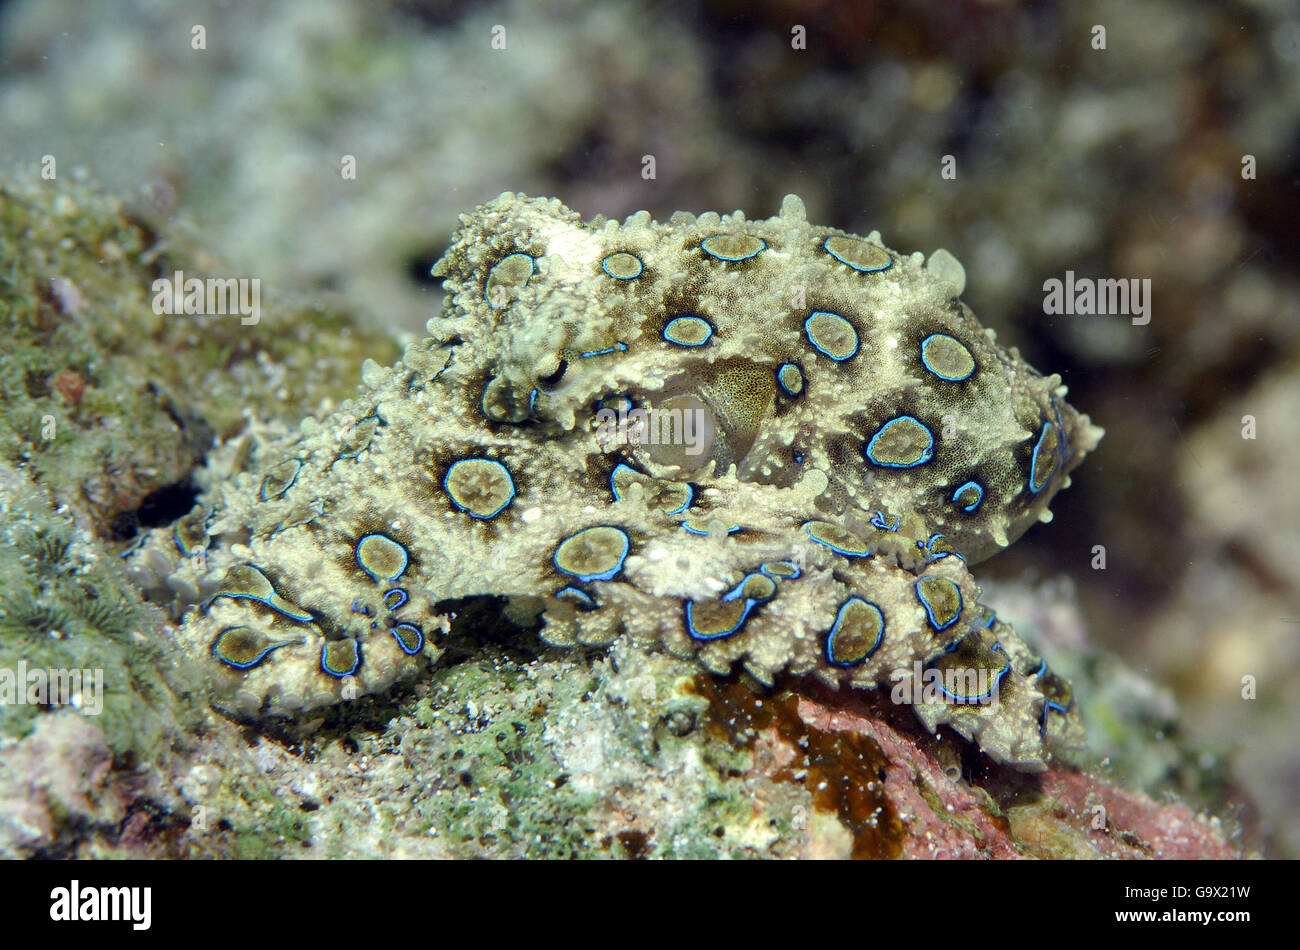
x=762 y=444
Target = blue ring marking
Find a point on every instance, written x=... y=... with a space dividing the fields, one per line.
x=532 y=400
x=356 y=661
x=532 y=269
x=447 y=491
x=604 y=575
x=255 y=660
x=640 y=267
x=378 y=423
x=667 y=334
x=616 y=348
x=1042 y=667
x=728 y=258
x=1033 y=464
x=857 y=340
x=176 y=540
x=1048 y=706
x=988 y=620
x=395 y=590
x=929 y=611
x=704 y=534
x=927 y=548
x=989 y=692
x=861 y=270
x=878 y=520
x=925 y=360
x=626 y=406
x=735 y=592
x=356 y=553
x=781 y=382
x=690 y=497
x=835 y=628
x=419 y=637
x=799 y=457
x=261 y=492
x=976 y=503
x=359 y=608
x=532 y=262
x=826 y=544
x=926 y=454
x=304 y=617
x=613 y=488
x=695 y=634
x=578 y=596
x=928 y=543
x=1062 y=436
x=782 y=577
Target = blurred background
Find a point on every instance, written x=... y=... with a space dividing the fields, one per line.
x=1172 y=154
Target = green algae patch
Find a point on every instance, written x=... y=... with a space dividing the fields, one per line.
x=74 y=632
x=552 y=758
x=499 y=787
x=109 y=402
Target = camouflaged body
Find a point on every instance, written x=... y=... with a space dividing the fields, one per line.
x=858 y=439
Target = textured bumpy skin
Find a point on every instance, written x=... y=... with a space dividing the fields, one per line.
x=858 y=438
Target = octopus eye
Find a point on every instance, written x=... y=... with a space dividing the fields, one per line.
x=683 y=433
